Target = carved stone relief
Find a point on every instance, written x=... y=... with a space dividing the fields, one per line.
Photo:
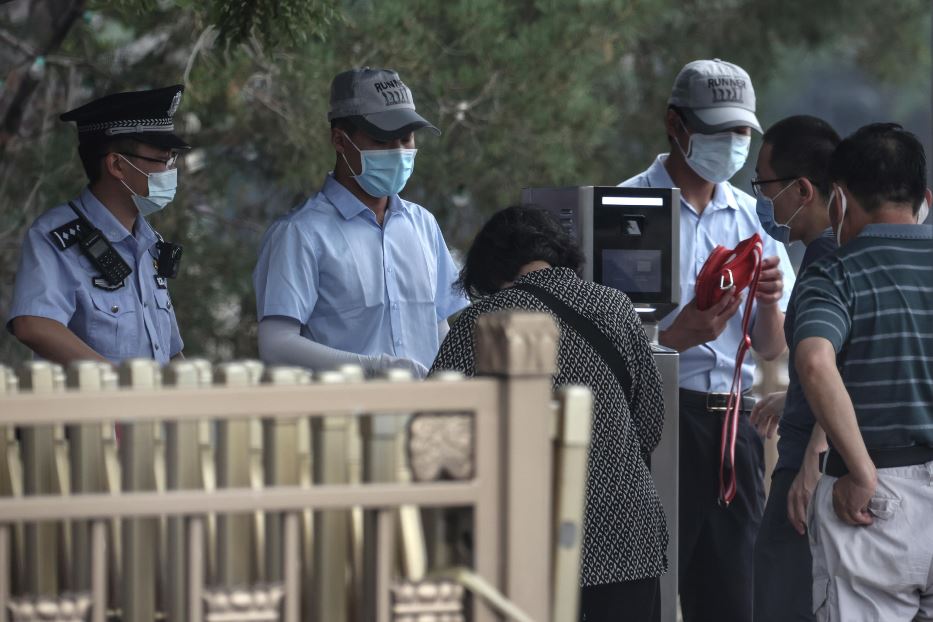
x=427 y=601
x=68 y=608
x=258 y=604
x=440 y=447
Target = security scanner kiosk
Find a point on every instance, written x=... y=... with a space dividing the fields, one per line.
x=630 y=238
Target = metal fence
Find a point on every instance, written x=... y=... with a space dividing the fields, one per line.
x=237 y=493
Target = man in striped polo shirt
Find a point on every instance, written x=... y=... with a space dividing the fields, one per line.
x=863 y=347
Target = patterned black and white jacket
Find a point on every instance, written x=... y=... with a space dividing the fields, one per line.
x=625 y=536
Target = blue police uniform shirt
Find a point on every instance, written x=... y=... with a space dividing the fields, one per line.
x=729 y=218
x=356 y=286
x=136 y=319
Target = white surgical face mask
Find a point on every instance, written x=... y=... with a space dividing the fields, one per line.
x=923 y=213
x=716 y=157
x=162 y=186
x=839 y=195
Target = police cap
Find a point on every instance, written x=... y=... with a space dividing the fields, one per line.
x=145 y=116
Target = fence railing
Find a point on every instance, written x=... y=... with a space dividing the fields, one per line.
x=242 y=493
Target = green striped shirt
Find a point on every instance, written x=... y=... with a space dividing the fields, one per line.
x=873 y=300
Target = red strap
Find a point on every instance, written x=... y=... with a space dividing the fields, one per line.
x=730 y=422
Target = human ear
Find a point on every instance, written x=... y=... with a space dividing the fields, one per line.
x=339 y=140
x=113 y=164
x=806 y=191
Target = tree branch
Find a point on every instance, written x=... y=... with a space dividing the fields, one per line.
x=21 y=46
x=9 y=125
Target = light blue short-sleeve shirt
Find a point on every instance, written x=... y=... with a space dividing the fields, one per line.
x=727 y=220
x=356 y=286
x=56 y=281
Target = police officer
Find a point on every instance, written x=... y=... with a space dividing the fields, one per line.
x=93 y=276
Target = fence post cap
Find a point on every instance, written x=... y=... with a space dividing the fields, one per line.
x=516 y=343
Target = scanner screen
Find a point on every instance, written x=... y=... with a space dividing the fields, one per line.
x=632 y=271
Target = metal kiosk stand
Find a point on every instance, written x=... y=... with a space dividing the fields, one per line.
x=630 y=238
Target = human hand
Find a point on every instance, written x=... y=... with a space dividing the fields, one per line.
x=387 y=361
x=851 y=496
x=770 y=283
x=801 y=492
x=693 y=327
x=766 y=413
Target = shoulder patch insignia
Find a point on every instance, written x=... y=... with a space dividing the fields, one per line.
x=67 y=235
x=101 y=282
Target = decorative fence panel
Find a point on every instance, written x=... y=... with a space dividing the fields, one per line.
x=239 y=493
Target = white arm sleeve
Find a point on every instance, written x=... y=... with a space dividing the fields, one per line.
x=442 y=329
x=281 y=343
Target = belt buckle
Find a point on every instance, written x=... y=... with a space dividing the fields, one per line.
x=715 y=409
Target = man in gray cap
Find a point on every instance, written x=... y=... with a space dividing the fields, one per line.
x=709 y=120
x=93 y=275
x=358 y=275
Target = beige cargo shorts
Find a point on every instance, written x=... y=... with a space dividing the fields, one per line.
x=882 y=572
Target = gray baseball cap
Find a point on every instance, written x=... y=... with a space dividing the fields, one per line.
x=715 y=96
x=377 y=102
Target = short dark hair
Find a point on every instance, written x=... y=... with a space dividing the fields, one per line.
x=510 y=239
x=881 y=162
x=345 y=124
x=803 y=146
x=92 y=154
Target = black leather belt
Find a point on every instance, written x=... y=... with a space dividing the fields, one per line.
x=712 y=402
x=883 y=459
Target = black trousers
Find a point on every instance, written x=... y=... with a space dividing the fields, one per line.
x=628 y=601
x=716 y=542
x=783 y=564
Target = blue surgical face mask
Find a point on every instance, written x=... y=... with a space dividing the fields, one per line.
x=162 y=186
x=716 y=157
x=384 y=171
x=765 y=208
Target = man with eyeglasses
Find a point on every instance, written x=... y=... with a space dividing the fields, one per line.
x=92 y=282
x=792 y=189
x=709 y=122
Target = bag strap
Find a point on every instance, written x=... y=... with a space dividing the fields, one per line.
x=586 y=329
x=728 y=484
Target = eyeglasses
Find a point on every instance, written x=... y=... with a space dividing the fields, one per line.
x=757 y=183
x=170 y=163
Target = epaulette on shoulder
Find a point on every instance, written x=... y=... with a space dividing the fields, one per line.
x=67 y=235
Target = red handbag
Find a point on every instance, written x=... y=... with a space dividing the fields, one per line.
x=726 y=269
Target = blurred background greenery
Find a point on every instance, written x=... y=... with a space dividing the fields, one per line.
x=527 y=92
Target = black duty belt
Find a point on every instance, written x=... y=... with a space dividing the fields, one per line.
x=882 y=458
x=712 y=402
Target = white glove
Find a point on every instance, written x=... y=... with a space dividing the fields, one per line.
x=387 y=361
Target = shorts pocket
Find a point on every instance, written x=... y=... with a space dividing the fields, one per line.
x=820 y=595
x=886 y=501
x=883 y=508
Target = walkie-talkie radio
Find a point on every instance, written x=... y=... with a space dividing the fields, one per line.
x=102 y=255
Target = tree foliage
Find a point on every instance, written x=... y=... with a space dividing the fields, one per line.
x=527 y=92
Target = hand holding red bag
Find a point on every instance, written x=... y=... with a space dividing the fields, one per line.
x=726 y=269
